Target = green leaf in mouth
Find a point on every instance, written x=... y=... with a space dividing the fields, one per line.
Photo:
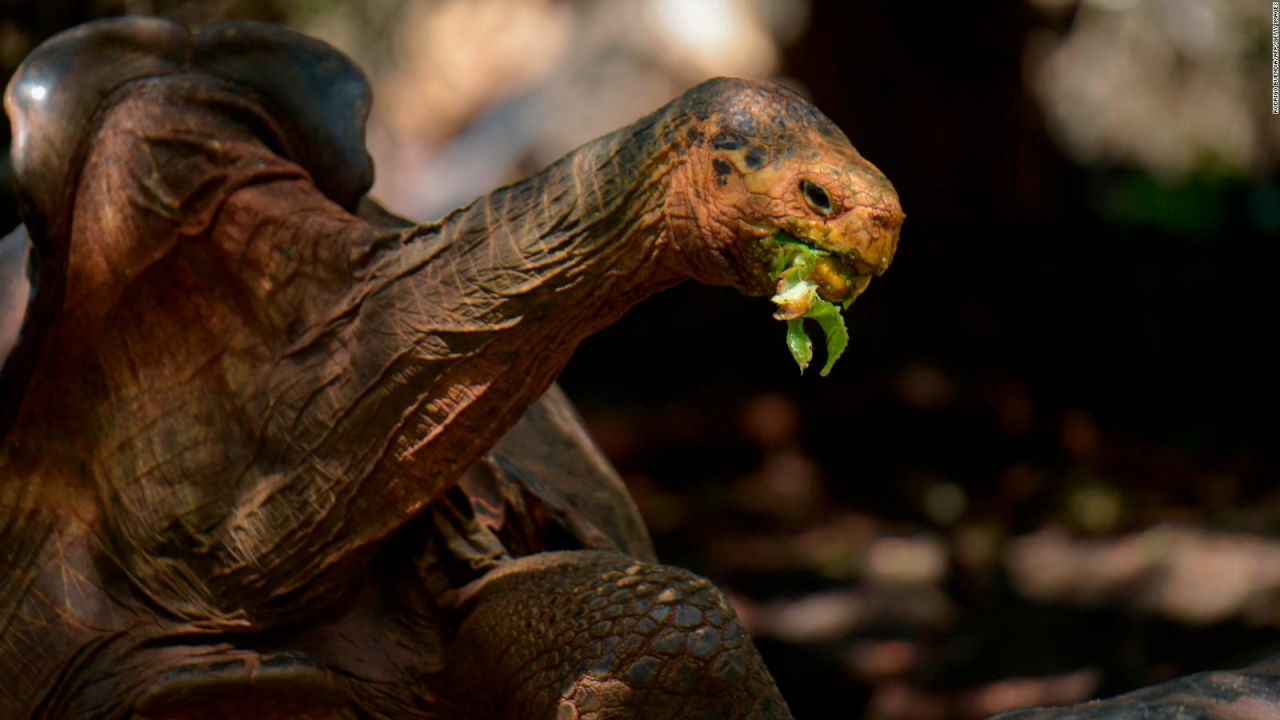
x=799 y=344
x=832 y=324
x=793 y=265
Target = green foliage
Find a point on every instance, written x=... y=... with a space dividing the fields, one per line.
x=793 y=266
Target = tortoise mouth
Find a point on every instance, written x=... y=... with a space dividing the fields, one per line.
x=814 y=283
x=840 y=275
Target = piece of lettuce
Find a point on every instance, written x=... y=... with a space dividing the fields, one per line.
x=793 y=266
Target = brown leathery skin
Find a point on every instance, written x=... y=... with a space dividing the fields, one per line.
x=600 y=636
x=247 y=391
x=519 y=491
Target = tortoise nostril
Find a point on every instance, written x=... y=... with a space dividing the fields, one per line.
x=888 y=218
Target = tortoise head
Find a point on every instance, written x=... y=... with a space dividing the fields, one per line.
x=762 y=161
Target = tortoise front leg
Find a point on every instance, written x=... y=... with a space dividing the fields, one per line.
x=598 y=635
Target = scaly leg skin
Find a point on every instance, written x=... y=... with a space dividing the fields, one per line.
x=1249 y=694
x=592 y=635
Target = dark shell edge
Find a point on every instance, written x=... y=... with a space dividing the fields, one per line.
x=319 y=99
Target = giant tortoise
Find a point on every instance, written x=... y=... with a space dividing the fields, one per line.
x=270 y=451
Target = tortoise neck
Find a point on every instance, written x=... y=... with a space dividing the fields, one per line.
x=499 y=293
x=588 y=228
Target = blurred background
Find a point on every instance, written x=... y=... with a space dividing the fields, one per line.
x=1046 y=467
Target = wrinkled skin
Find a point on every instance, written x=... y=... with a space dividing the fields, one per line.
x=249 y=462
x=1249 y=694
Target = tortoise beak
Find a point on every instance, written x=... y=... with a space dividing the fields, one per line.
x=867 y=237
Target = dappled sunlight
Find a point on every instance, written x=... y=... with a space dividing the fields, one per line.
x=1184 y=573
x=473 y=95
x=1170 y=86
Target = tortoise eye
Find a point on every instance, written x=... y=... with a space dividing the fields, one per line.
x=817 y=198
